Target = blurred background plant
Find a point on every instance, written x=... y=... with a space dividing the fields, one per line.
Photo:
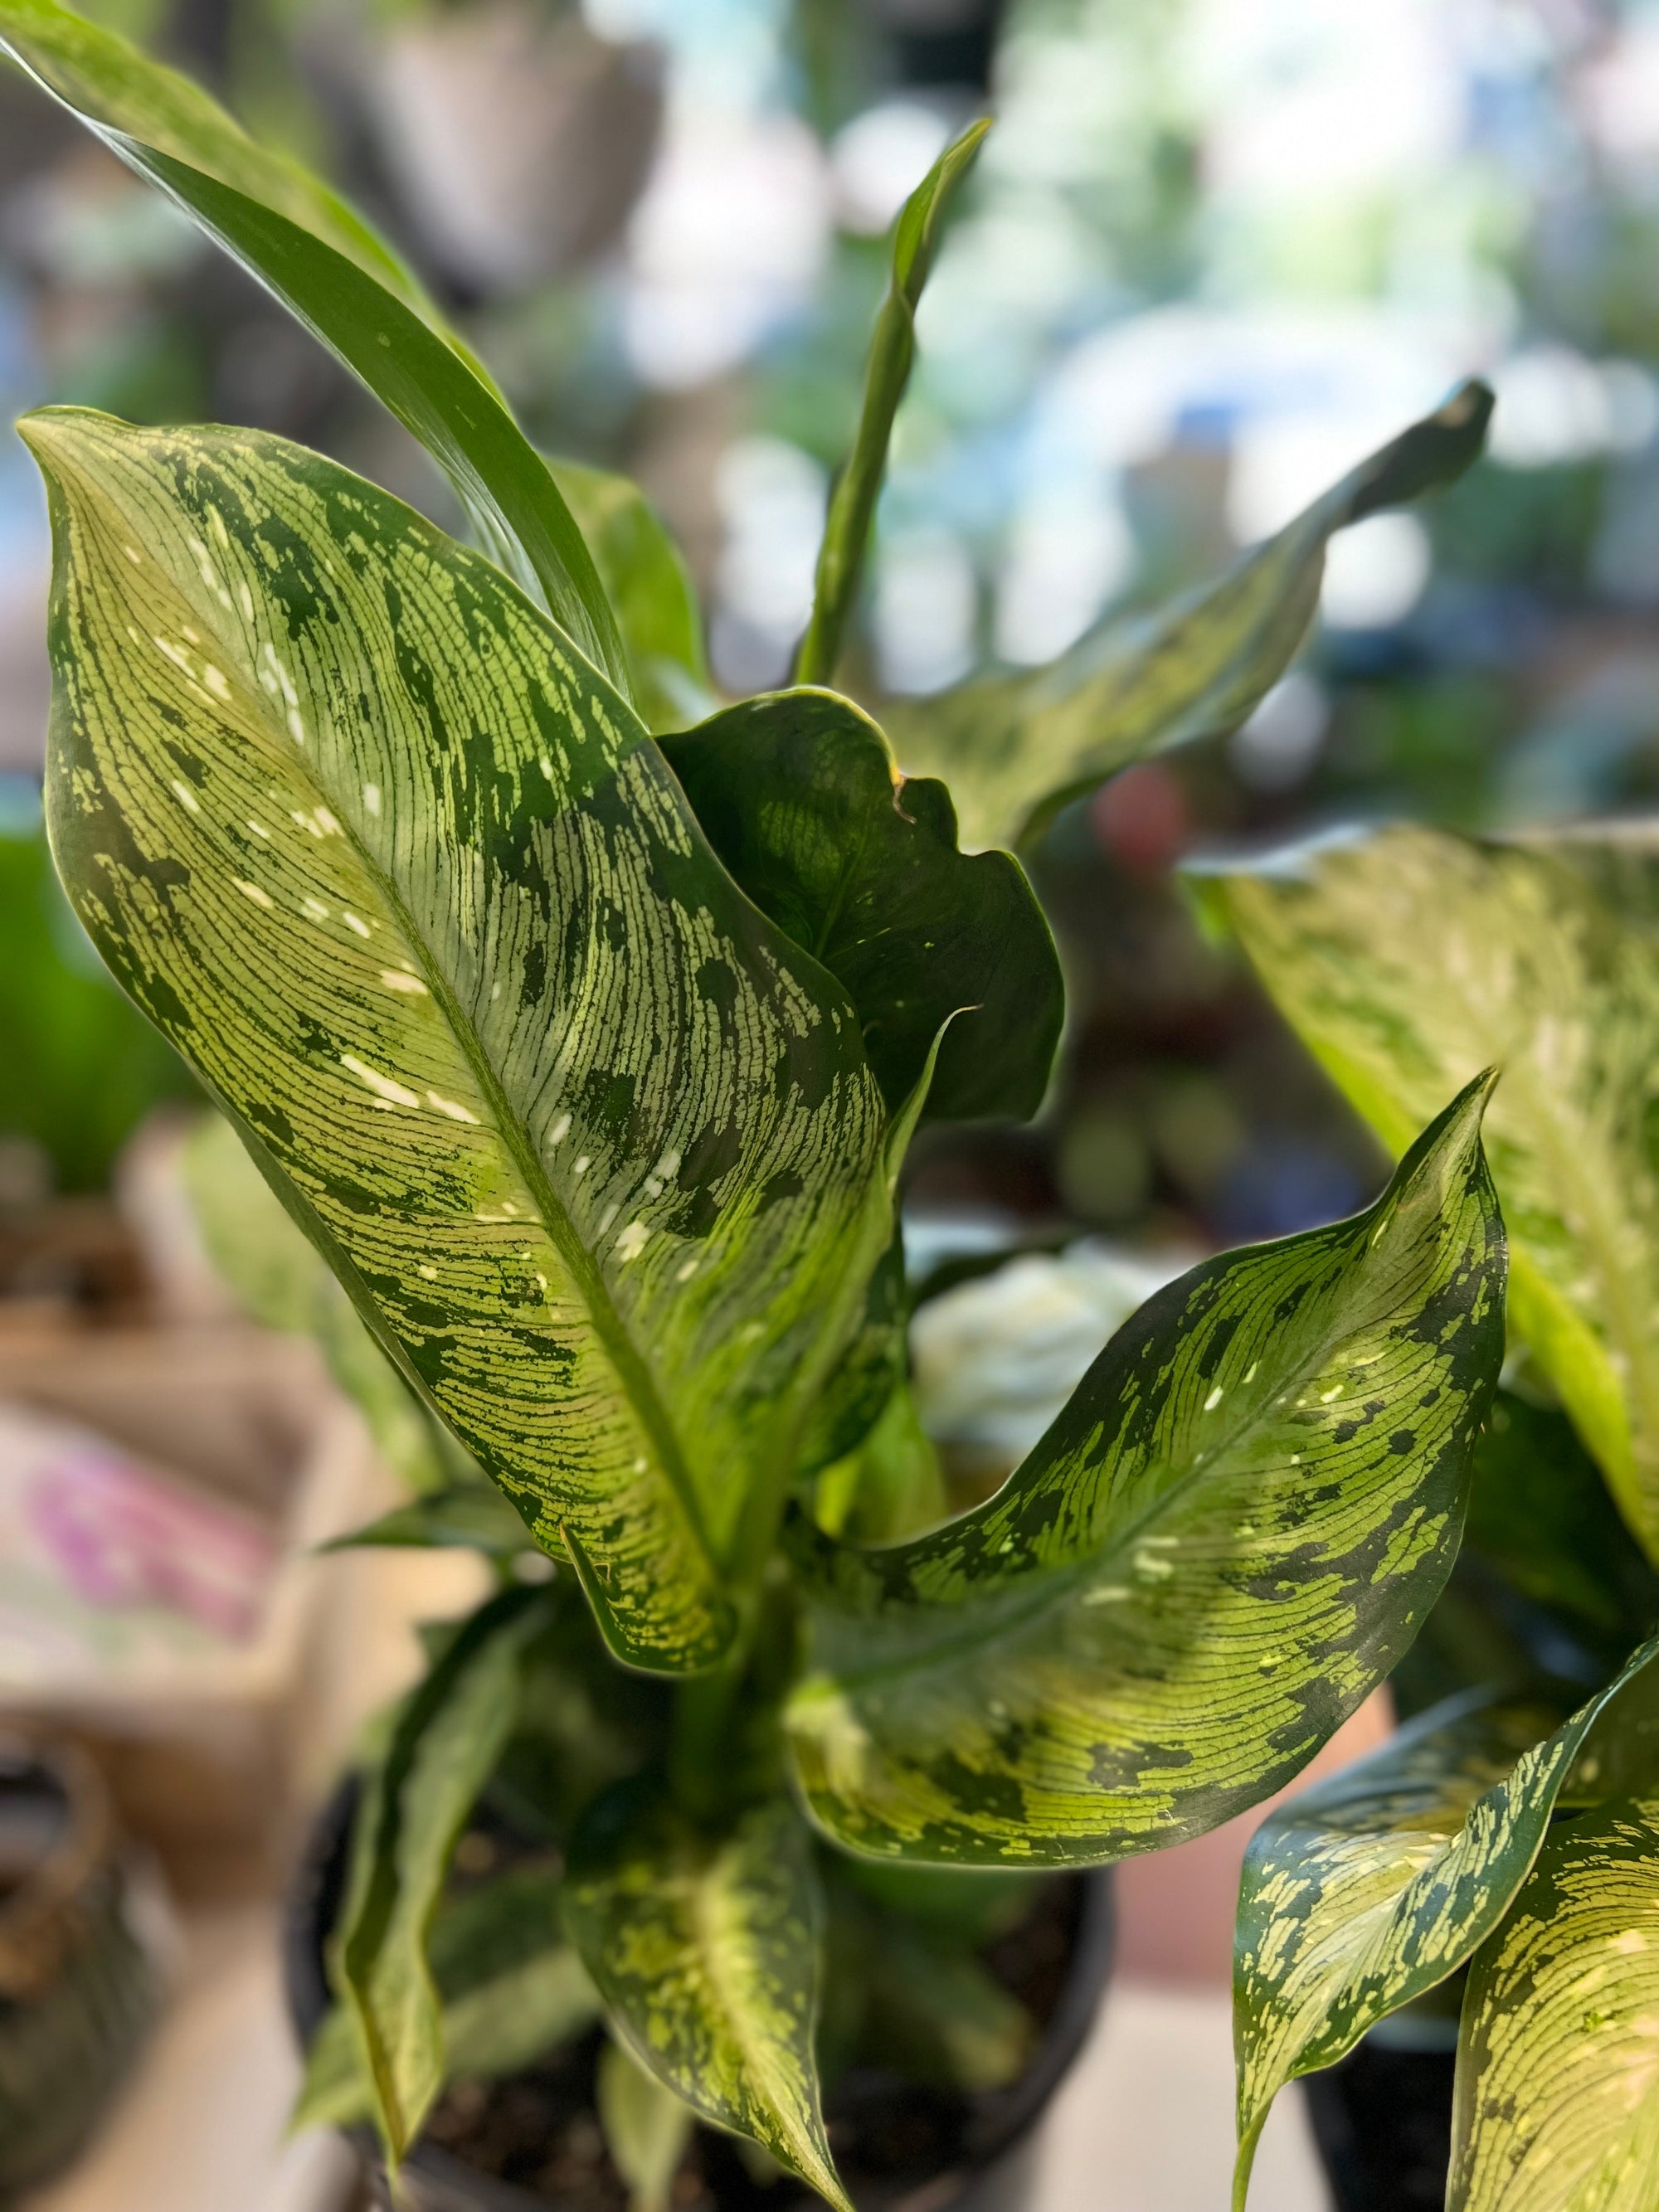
x=1212 y=252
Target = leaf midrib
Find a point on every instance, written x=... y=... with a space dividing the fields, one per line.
x=552 y=1214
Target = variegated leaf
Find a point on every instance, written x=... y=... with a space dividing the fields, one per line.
x=1557 y=2103
x=592 y=1145
x=1221 y=1546
x=646 y=2124
x=1363 y=1893
x=799 y=794
x=447 y=1739
x=1017 y=749
x=1410 y=958
x=512 y=1990
x=646 y=584
x=705 y=1948
x=282 y=1282
x=324 y=263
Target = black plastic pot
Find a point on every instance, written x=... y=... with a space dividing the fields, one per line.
x=1382 y=2118
x=880 y=2130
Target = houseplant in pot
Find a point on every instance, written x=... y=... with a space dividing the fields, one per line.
x=584 y=1046
x=1492 y=1881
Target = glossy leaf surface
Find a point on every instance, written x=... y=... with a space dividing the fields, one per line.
x=646 y=582
x=892 y=353
x=799 y=794
x=324 y=263
x=1409 y=959
x=1016 y=749
x=594 y=1147
x=1362 y=1894
x=445 y=1741
x=1555 y=2108
x=1221 y=1546
x=705 y=1948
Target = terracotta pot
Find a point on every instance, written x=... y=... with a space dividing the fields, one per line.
x=990 y=2131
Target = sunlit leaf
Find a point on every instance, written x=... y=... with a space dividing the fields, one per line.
x=646 y=584
x=1221 y=1546
x=705 y=1948
x=798 y=793
x=323 y=262
x=445 y=1741
x=1362 y=1894
x=1410 y=958
x=594 y=1147
x=892 y=353
x=1016 y=749
x=646 y=2124
x=1555 y=2107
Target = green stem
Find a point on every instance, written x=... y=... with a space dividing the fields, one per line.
x=892 y=351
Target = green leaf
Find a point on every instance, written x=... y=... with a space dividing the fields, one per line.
x=1015 y=750
x=645 y=583
x=890 y=1486
x=705 y=1948
x=512 y=1988
x=1362 y=1894
x=1217 y=1550
x=799 y=794
x=647 y=2127
x=282 y=1282
x=892 y=353
x=446 y=1742
x=324 y=263
x=1554 y=2107
x=592 y=1146
x=471 y=1517
x=1408 y=960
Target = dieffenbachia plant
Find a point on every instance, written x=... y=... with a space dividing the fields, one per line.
x=1501 y=1838
x=581 y=1067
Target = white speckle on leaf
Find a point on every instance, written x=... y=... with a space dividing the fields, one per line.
x=449 y=1106
x=354 y=923
x=253 y=891
x=428 y=1274
x=560 y=1130
x=632 y=1241
x=399 y=979
x=314 y=910
x=1213 y=1400
x=215 y=679
x=372 y=798
x=134 y=556
x=259 y=830
x=686 y=1269
x=582 y=1165
x=395 y=1094
x=186 y=796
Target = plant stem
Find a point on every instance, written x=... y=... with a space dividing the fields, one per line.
x=892 y=351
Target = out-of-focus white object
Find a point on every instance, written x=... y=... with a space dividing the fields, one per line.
x=1376 y=572
x=1556 y=405
x=727 y=241
x=877 y=160
x=1280 y=742
x=1143 y=2122
x=520 y=145
x=927 y=599
x=995 y=1359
